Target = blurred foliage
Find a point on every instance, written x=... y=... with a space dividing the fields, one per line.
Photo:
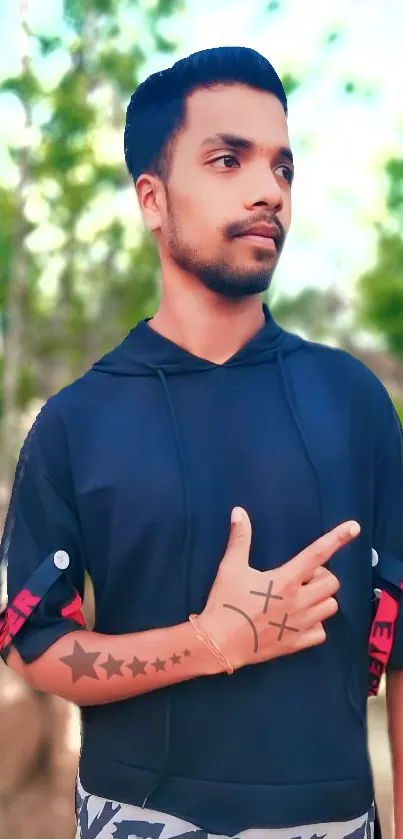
x=26 y=86
x=324 y=316
x=290 y=83
x=381 y=288
x=382 y=292
x=98 y=273
x=65 y=303
x=316 y=312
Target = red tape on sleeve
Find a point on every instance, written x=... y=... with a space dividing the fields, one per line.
x=4 y=630
x=73 y=611
x=16 y=615
x=381 y=640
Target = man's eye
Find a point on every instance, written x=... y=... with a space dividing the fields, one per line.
x=288 y=173
x=227 y=160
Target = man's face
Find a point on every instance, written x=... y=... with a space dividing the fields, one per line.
x=231 y=169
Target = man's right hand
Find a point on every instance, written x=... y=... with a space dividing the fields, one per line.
x=254 y=616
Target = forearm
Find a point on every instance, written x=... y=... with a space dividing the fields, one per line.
x=394 y=693
x=88 y=668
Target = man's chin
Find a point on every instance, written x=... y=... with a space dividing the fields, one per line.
x=237 y=290
x=238 y=286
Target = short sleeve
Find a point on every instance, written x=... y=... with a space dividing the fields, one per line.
x=388 y=535
x=42 y=548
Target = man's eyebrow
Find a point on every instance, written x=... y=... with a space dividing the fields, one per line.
x=242 y=144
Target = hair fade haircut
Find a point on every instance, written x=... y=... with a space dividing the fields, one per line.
x=157 y=109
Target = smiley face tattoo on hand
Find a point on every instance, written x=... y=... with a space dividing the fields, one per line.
x=268 y=595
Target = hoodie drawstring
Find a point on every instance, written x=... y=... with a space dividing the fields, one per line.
x=186 y=563
x=185 y=480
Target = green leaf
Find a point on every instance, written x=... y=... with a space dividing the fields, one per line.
x=165 y=8
x=163 y=45
x=73 y=13
x=108 y=175
x=72 y=115
x=48 y=44
x=122 y=68
x=394 y=172
x=381 y=304
x=104 y=7
x=26 y=387
x=26 y=86
x=290 y=83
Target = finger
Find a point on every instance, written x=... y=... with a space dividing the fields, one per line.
x=318 y=573
x=311 y=638
x=319 y=552
x=240 y=537
x=318 y=589
x=318 y=613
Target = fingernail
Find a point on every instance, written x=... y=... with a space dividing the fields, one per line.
x=355 y=529
x=236 y=515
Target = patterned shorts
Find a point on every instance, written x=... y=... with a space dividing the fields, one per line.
x=98 y=818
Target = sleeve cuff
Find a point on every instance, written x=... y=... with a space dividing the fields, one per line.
x=32 y=642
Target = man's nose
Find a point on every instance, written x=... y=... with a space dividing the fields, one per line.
x=265 y=191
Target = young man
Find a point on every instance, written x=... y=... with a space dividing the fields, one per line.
x=224 y=687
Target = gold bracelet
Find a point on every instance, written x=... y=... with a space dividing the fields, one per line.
x=211 y=644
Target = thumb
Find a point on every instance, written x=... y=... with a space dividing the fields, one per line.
x=240 y=536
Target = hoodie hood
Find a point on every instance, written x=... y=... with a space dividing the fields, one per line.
x=145 y=351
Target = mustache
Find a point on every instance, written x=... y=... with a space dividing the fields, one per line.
x=238 y=228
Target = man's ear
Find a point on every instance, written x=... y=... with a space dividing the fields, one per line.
x=150 y=194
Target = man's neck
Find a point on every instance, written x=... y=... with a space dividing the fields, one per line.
x=208 y=326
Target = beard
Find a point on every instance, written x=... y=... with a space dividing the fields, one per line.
x=220 y=276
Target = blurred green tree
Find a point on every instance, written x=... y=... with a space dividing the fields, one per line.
x=77 y=267
x=18 y=269
x=381 y=288
x=378 y=306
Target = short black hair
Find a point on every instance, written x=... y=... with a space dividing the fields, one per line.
x=157 y=108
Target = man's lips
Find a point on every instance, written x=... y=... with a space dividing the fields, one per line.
x=264 y=235
x=262 y=229
x=260 y=241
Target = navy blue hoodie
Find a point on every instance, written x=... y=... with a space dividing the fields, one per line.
x=133 y=470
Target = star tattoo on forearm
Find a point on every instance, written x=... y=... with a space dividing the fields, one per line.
x=83 y=663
